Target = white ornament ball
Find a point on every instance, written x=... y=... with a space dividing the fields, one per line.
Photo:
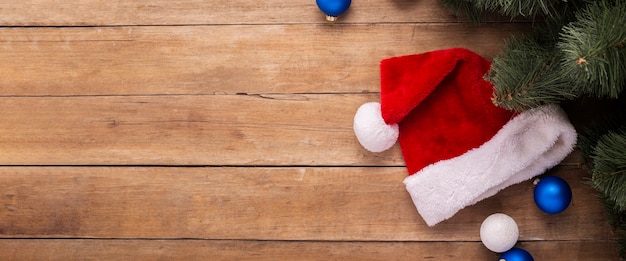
x=499 y=232
x=372 y=131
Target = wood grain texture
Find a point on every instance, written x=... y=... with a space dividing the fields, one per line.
x=222 y=130
x=185 y=130
x=318 y=58
x=194 y=12
x=353 y=204
x=282 y=250
x=246 y=130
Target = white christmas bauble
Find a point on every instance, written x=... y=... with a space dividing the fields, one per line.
x=372 y=131
x=499 y=232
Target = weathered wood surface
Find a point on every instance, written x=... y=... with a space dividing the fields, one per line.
x=288 y=250
x=221 y=12
x=185 y=130
x=134 y=130
x=363 y=204
x=242 y=130
x=311 y=58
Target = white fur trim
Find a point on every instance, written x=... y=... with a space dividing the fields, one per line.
x=526 y=146
x=371 y=130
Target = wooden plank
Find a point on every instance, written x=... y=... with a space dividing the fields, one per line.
x=317 y=58
x=193 y=12
x=188 y=130
x=285 y=250
x=355 y=204
x=185 y=130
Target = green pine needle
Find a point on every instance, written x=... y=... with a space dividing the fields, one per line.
x=526 y=75
x=476 y=9
x=603 y=148
x=588 y=137
x=525 y=8
x=467 y=7
x=609 y=166
x=593 y=49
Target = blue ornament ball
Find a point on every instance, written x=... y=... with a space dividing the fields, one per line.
x=552 y=195
x=333 y=8
x=516 y=254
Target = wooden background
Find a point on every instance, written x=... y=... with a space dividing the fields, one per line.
x=222 y=129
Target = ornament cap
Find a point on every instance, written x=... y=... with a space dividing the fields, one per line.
x=333 y=8
x=536 y=181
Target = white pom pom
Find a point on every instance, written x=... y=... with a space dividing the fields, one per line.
x=499 y=232
x=371 y=130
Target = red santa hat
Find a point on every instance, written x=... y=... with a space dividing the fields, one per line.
x=459 y=148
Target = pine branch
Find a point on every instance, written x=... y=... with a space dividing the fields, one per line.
x=603 y=148
x=525 y=8
x=609 y=166
x=526 y=75
x=476 y=9
x=588 y=137
x=593 y=49
x=461 y=6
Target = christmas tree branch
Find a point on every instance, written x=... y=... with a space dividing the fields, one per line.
x=527 y=76
x=592 y=48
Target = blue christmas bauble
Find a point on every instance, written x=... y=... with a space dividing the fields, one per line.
x=516 y=254
x=552 y=195
x=333 y=8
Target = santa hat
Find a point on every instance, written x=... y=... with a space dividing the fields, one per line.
x=459 y=148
